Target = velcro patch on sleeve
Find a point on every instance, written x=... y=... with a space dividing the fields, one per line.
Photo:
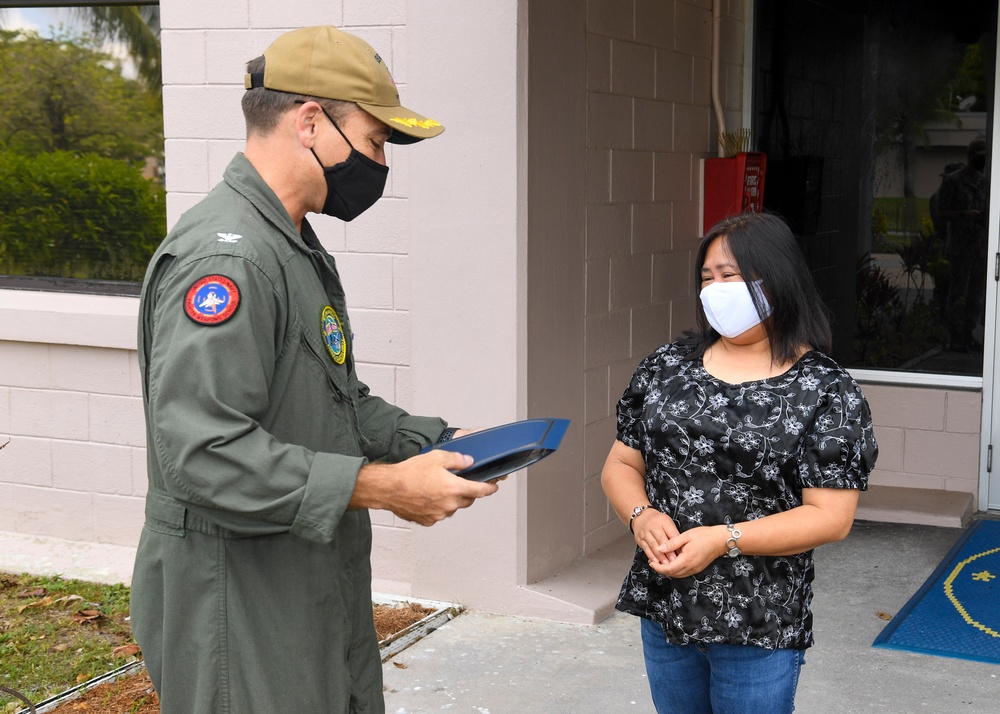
x=212 y=300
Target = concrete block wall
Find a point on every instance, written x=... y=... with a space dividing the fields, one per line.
x=74 y=465
x=71 y=405
x=649 y=123
x=928 y=438
x=204 y=55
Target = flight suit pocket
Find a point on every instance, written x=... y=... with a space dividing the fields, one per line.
x=164 y=514
x=315 y=409
x=324 y=362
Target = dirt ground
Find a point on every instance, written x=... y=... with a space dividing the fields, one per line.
x=134 y=694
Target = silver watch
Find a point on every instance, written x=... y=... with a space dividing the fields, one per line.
x=636 y=511
x=733 y=542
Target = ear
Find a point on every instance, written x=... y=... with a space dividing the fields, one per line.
x=306 y=122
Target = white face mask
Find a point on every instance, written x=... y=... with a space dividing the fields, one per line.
x=729 y=307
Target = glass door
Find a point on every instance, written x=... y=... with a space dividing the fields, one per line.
x=877 y=120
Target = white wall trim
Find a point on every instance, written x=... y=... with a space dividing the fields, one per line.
x=748 y=65
x=917 y=379
x=68 y=319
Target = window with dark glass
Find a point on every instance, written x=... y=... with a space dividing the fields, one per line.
x=82 y=203
x=875 y=116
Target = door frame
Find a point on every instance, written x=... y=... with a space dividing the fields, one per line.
x=989 y=478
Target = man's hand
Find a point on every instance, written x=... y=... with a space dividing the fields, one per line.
x=466 y=432
x=421 y=489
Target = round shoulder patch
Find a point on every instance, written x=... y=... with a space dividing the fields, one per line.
x=333 y=334
x=212 y=300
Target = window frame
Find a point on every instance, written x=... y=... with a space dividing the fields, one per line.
x=81 y=3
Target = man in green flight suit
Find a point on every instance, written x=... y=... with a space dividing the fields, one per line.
x=252 y=582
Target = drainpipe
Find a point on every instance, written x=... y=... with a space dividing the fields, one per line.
x=716 y=104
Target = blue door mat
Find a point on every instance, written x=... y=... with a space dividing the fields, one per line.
x=956 y=612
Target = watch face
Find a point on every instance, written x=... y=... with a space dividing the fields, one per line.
x=637 y=510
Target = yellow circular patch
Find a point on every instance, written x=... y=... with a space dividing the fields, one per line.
x=974 y=607
x=333 y=334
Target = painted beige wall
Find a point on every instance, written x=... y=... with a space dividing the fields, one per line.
x=466 y=281
x=555 y=187
x=649 y=123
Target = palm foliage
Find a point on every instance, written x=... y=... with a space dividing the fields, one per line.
x=137 y=27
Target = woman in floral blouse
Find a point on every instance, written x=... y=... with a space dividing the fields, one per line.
x=741 y=447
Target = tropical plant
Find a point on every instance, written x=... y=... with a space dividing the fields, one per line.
x=970 y=80
x=65 y=94
x=77 y=216
x=879 y=312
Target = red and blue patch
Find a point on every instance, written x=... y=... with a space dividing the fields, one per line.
x=212 y=300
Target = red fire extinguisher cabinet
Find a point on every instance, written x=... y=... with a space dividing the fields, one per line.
x=732 y=186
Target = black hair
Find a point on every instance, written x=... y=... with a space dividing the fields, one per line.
x=765 y=249
x=263 y=108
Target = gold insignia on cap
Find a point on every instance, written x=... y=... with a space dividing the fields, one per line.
x=413 y=121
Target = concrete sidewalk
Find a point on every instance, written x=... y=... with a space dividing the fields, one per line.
x=492 y=664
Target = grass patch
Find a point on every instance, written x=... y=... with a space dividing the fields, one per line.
x=56 y=633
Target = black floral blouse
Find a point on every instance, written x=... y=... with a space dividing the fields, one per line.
x=720 y=453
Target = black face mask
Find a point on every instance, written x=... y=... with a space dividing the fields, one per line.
x=354 y=185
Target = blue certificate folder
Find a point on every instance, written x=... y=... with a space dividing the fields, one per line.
x=506 y=448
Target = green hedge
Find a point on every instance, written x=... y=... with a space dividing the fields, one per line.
x=64 y=214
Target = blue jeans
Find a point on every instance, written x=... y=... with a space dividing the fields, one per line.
x=718 y=679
